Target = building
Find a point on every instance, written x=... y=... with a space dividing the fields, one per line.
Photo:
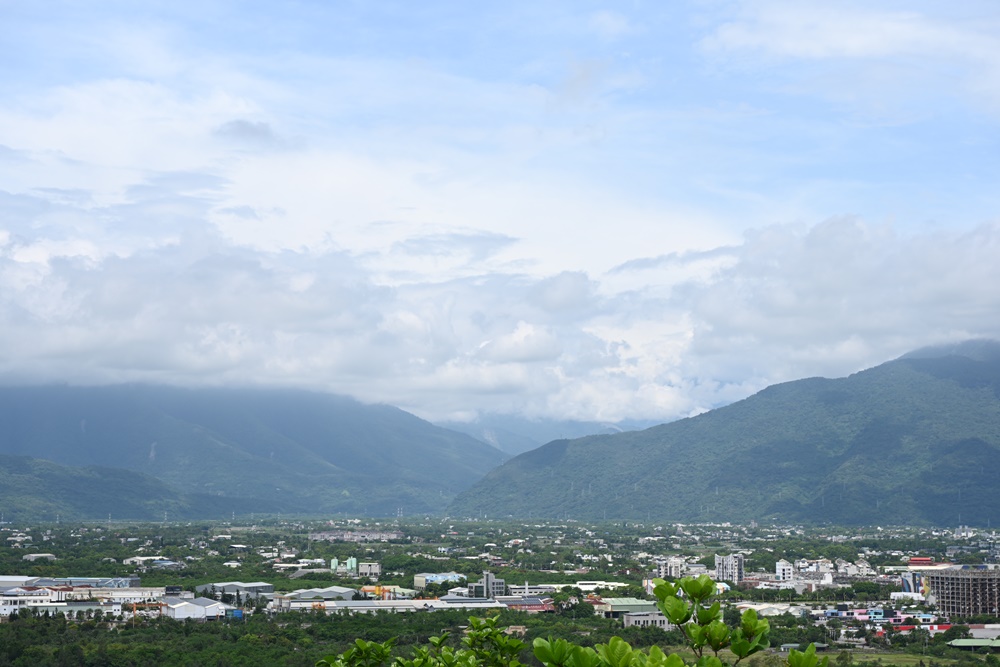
x=488 y=587
x=349 y=566
x=250 y=590
x=543 y=590
x=965 y=590
x=669 y=568
x=646 y=619
x=357 y=536
x=17 y=598
x=591 y=586
x=388 y=592
x=476 y=607
x=34 y=557
x=369 y=570
x=421 y=580
x=729 y=568
x=527 y=603
x=619 y=607
x=783 y=570
x=311 y=598
x=200 y=609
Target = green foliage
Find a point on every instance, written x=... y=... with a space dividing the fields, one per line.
x=686 y=604
x=806 y=658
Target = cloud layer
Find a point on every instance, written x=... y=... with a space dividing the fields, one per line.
x=590 y=215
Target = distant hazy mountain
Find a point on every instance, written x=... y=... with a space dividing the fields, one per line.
x=288 y=450
x=41 y=490
x=912 y=440
x=516 y=435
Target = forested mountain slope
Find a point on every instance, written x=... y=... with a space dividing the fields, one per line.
x=288 y=450
x=912 y=440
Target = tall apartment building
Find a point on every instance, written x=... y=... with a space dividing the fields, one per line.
x=783 y=570
x=729 y=568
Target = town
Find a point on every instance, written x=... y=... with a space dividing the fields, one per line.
x=856 y=592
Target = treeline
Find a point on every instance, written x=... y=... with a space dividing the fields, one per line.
x=292 y=639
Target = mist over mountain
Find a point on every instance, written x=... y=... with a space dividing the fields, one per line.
x=914 y=440
x=516 y=435
x=281 y=450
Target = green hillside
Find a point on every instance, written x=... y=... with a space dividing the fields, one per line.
x=287 y=450
x=42 y=490
x=915 y=440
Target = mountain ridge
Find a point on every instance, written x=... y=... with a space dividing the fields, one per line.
x=302 y=451
x=907 y=441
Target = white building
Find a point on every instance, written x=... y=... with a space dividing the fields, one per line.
x=17 y=598
x=246 y=590
x=784 y=571
x=199 y=609
x=646 y=619
x=669 y=568
x=729 y=568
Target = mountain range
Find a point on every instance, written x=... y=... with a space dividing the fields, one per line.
x=914 y=440
x=212 y=451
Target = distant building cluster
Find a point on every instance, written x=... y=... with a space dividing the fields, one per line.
x=356 y=536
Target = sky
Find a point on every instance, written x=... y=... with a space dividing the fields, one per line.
x=567 y=209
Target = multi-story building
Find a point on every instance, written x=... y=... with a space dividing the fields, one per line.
x=487 y=587
x=965 y=590
x=669 y=568
x=729 y=568
x=783 y=570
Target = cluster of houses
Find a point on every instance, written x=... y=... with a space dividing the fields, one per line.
x=802 y=575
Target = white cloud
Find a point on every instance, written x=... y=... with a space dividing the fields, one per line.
x=901 y=50
x=788 y=301
x=551 y=224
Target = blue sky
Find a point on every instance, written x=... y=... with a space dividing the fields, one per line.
x=567 y=209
